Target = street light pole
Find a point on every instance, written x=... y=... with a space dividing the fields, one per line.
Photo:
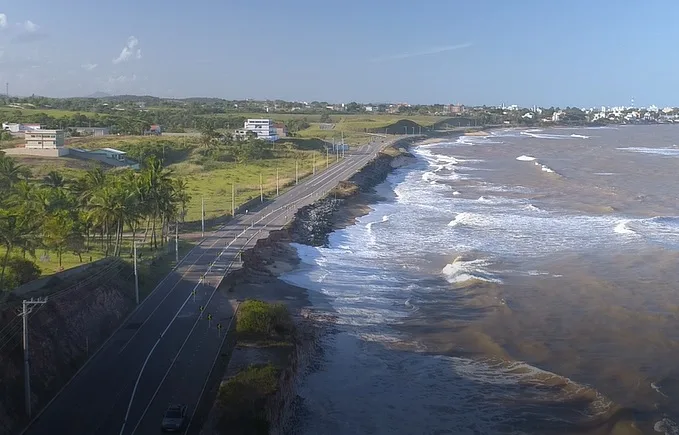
x=136 y=275
x=327 y=157
x=277 y=185
x=176 y=242
x=261 y=188
x=233 y=200
x=314 y=162
x=27 y=308
x=296 y=171
x=202 y=216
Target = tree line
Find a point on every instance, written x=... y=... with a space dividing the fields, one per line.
x=72 y=215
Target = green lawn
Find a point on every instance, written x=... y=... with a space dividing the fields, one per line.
x=214 y=185
x=48 y=260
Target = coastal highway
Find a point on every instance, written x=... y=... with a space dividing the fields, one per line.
x=166 y=349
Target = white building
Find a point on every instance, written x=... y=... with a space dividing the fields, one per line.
x=263 y=128
x=43 y=143
x=45 y=139
x=13 y=127
x=111 y=153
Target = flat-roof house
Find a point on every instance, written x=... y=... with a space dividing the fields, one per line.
x=111 y=153
x=48 y=143
x=154 y=129
x=14 y=127
x=92 y=131
x=281 y=129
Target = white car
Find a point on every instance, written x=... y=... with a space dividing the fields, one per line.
x=174 y=418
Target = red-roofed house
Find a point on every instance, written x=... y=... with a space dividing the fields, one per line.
x=281 y=129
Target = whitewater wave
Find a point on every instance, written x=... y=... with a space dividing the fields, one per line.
x=456 y=193
x=525 y=158
x=667 y=427
x=467 y=219
x=462 y=271
x=532 y=207
x=622 y=228
x=580 y=136
x=667 y=152
x=369 y=225
x=546 y=136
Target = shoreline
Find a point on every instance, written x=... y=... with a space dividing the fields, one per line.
x=272 y=257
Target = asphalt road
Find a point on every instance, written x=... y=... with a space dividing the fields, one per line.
x=165 y=351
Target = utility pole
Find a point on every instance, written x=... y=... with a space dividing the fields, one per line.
x=176 y=242
x=27 y=308
x=314 y=162
x=136 y=275
x=233 y=200
x=202 y=216
x=327 y=157
x=277 y=185
x=261 y=188
x=296 y=171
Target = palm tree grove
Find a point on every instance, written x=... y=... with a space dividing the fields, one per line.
x=102 y=211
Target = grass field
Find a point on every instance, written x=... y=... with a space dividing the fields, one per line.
x=214 y=186
x=51 y=112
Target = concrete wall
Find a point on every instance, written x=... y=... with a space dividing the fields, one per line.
x=44 y=152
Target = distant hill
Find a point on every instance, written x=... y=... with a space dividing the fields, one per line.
x=98 y=95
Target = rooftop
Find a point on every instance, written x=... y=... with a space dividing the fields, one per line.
x=110 y=150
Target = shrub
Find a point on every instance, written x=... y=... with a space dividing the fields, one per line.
x=259 y=318
x=19 y=271
x=243 y=398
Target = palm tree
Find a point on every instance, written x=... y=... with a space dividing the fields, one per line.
x=18 y=229
x=10 y=172
x=54 y=179
x=103 y=209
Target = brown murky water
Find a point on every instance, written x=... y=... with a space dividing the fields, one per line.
x=490 y=294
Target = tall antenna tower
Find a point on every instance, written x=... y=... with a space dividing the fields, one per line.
x=632 y=102
x=7 y=89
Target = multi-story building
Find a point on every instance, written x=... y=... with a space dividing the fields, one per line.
x=45 y=139
x=264 y=129
x=45 y=142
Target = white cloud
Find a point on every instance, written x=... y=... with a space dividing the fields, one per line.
x=130 y=51
x=89 y=66
x=433 y=50
x=30 y=26
x=3 y=21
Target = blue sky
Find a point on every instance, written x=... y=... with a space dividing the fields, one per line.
x=474 y=52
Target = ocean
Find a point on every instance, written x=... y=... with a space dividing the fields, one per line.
x=524 y=282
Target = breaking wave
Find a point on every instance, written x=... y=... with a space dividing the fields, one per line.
x=668 y=152
x=524 y=158
x=462 y=271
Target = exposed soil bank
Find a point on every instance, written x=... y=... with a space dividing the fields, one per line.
x=62 y=333
x=271 y=257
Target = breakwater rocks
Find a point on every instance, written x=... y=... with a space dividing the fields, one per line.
x=311 y=226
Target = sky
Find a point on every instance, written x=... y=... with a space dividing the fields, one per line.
x=528 y=52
